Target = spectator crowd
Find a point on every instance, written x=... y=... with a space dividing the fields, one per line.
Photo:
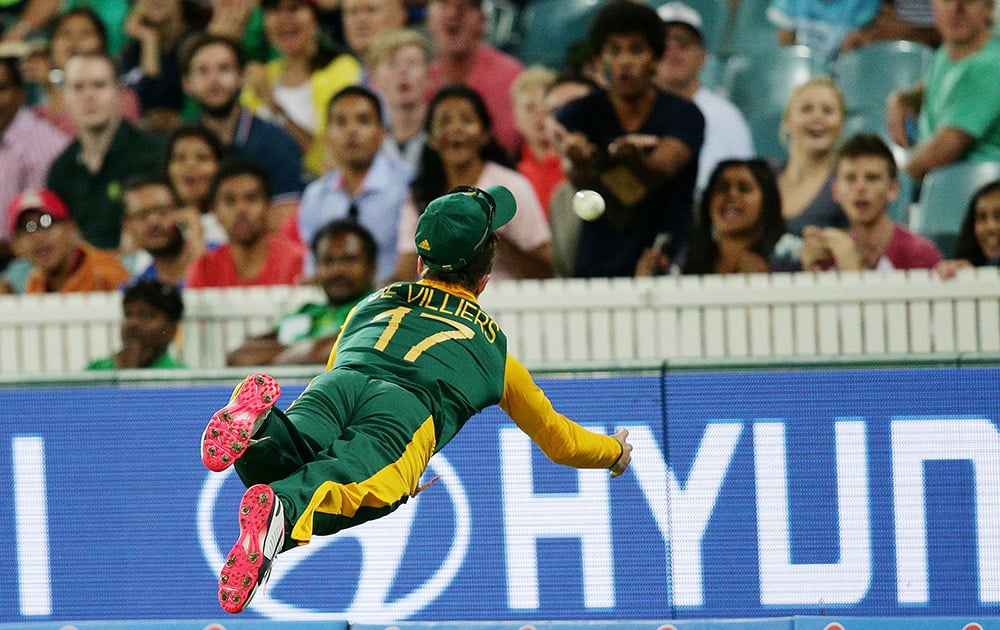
x=156 y=146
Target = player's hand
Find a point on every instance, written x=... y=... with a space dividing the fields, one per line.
x=626 y=457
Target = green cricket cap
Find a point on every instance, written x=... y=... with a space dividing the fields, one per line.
x=454 y=227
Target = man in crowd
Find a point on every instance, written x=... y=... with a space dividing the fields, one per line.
x=399 y=66
x=45 y=235
x=28 y=145
x=152 y=311
x=636 y=145
x=727 y=134
x=212 y=75
x=366 y=185
x=957 y=108
x=865 y=183
x=457 y=28
x=152 y=219
x=254 y=255
x=345 y=270
x=89 y=175
x=365 y=20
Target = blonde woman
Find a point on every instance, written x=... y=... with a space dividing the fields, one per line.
x=811 y=128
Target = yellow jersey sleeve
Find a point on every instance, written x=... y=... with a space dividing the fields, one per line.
x=562 y=440
x=336 y=342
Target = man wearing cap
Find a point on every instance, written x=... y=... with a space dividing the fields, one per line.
x=152 y=311
x=46 y=236
x=413 y=363
x=727 y=134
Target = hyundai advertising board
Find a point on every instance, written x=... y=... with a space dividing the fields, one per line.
x=870 y=492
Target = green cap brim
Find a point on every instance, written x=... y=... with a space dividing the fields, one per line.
x=506 y=206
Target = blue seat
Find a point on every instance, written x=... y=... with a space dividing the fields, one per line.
x=867 y=75
x=944 y=196
x=501 y=18
x=547 y=28
x=711 y=73
x=899 y=210
x=714 y=17
x=759 y=85
x=752 y=33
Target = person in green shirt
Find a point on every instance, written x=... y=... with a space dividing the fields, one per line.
x=90 y=173
x=345 y=254
x=152 y=312
x=412 y=364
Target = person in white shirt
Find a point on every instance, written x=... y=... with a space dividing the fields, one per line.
x=727 y=134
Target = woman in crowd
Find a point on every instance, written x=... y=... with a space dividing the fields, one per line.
x=739 y=224
x=192 y=155
x=811 y=127
x=979 y=237
x=461 y=151
x=78 y=31
x=295 y=88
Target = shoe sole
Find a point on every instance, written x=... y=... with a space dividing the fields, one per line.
x=228 y=432
x=247 y=565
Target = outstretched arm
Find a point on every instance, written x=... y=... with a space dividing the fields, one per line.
x=562 y=440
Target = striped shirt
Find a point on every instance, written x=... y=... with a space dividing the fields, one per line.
x=28 y=146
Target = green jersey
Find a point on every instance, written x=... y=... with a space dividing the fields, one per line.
x=166 y=362
x=312 y=321
x=432 y=340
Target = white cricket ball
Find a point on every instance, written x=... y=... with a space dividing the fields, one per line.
x=588 y=204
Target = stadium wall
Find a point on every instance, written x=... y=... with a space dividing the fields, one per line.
x=866 y=495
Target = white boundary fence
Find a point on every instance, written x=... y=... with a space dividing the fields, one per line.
x=578 y=323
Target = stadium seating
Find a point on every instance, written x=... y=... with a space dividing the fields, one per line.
x=711 y=73
x=760 y=84
x=547 y=28
x=501 y=18
x=752 y=33
x=869 y=74
x=899 y=210
x=714 y=17
x=944 y=196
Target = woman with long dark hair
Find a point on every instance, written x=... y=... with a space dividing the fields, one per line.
x=978 y=242
x=461 y=151
x=192 y=158
x=739 y=223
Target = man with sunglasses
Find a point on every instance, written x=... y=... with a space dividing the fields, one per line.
x=412 y=364
x=62 y=262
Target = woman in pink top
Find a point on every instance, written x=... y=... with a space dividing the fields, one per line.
x=461 y=151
